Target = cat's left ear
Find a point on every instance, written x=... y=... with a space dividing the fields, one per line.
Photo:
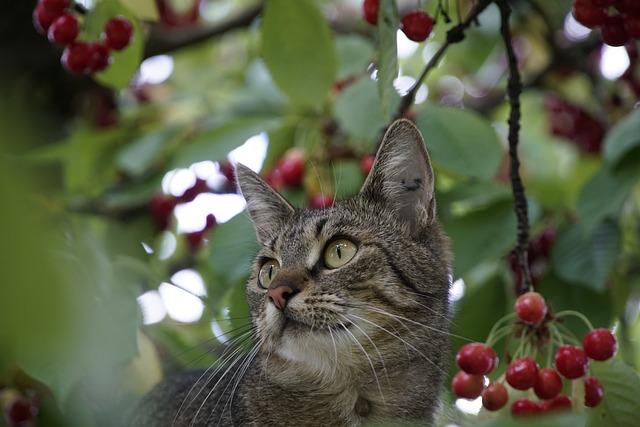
x=267 y=208
x=402 y=175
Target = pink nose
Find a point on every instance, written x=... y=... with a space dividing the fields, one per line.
x=281 y=294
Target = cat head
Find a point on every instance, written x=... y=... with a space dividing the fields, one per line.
x=336 y=282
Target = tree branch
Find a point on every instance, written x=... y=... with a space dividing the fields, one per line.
x=514 y=89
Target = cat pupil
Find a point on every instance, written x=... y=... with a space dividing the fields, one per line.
x=270 y=272
x=339 y=250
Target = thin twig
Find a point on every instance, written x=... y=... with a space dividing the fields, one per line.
x=514 y=89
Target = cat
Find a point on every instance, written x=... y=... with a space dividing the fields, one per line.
x=349 y=308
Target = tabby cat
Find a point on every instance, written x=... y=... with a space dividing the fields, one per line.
x=349 y=309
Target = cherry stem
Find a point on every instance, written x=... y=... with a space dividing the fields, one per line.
x=577 y=392
x=492 y=334
x=577 y=314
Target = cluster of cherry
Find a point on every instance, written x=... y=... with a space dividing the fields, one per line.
x=416 y=24
x=619 y=20
x=524 y=374
x=60 y=23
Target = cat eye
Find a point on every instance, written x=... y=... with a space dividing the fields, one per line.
x=339 y=252
x=268 y=272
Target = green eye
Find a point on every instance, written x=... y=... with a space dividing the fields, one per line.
x=339 y=252
x=268 y=272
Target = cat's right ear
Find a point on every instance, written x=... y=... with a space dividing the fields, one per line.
x=266 y=206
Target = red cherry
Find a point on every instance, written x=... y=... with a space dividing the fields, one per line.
x=274 y=179
x=548 y=383
x=229 y=172
x=194 y=239
x=20 y=412
x=588 y=14
x=494 y=396
x=558 y=403
x=366 y=163
x=291 y=169
x=571 y=361
x=632 y=25
x=320 y=201
x=161 y=208
x=370 y=11
x=629 y=7
x=593 y=392
x=55 y=5
x=101 y=58
x=43 y=18
x=476 y=358
x=64 y=29
x=117 y=33
x=600 y=344
x=210 y=222
x=467 y=386
x=613 y=32
x=525 y=408
x=603 y=3
x=531 y=307
x=546 y=239
x=189 y=195
x=77 y=58
x=522 y=373
x=417 y=25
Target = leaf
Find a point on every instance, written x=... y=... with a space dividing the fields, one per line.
x=354 y=53
x=483 y=234
x=143 y=9
x=232 y=248
x=622 y=139
x=356 y=110
x=461 y=141
x=388 y=23
x=298 y=49
x=348 y=177
x=216 y=143
x=587 y=259
x=571 y=419
x=139 y=155
x=619 y=406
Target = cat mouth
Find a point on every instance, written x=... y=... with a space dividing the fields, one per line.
x=313 y=326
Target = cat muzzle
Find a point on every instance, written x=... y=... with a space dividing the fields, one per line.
x=281 y=293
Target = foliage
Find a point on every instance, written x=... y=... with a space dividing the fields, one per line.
x=312 y=77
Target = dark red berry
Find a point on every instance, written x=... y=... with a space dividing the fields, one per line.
x=77 y=58
x=199 y=187
x=525 y=408
x=194 y=239
x=117 y=33
x=476 y=358
x=602 y=3
x=548 y=383
x=370 y=11
x=417 y=25
x=20 y=412
x=64 y=29
x=320 y=201
x=229 y=172
x=593 y=392
x=55 y=5
x=210 y=222
x=467 y=386
x=161 y=208
x=100 y=57
x=521 y=374
x=613 y=32
x=600 y=344
x=546 y=239
x=629 y=7
x=291 y=169
x=43 y=18
x=494 y=396
x=366 y=163
x=531 y=307
x=588 y=14
x=558 y=403
x=571 y=362
x=632 y=25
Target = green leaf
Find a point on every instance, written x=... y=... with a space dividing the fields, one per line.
x=483 y=234
x=388 y=23
x=143 y=9
x=348 y=177
x=216 y=143
x=571 y=419
x=232 y=248
x=619 y=406
x=461 y=141
x=355 y=53
x=622 y=139
x=139 y=155
x=356 y=110
x=587 y=259
x=299 y=51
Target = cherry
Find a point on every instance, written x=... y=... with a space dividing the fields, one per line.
x=117 y=33
x=366 y=163
x=525 y=408
x=558 y=403
x=417 y=25
x=370 y=11
x=548 y=383
x=600 y=344
x=229 y=172
x=571 y=361
x=161 y=208
x=531 y=307
x=632 y=25
x=603 y=3
x=20 y=412
x=101 y=58
x=522 y=373
x=189 y=195
x=43 y=18
x=494 y=396
x=55 y=5
x=476 y=358
x=210 y=222
x=593 y=392
x=77 y=58
x=588 y=14
x=291 y=169
x=629 y=7
x=195 y=238
x=613 y=32
x=467 y=386
x=274 y=179
x=64 y=29
x=320 y=201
